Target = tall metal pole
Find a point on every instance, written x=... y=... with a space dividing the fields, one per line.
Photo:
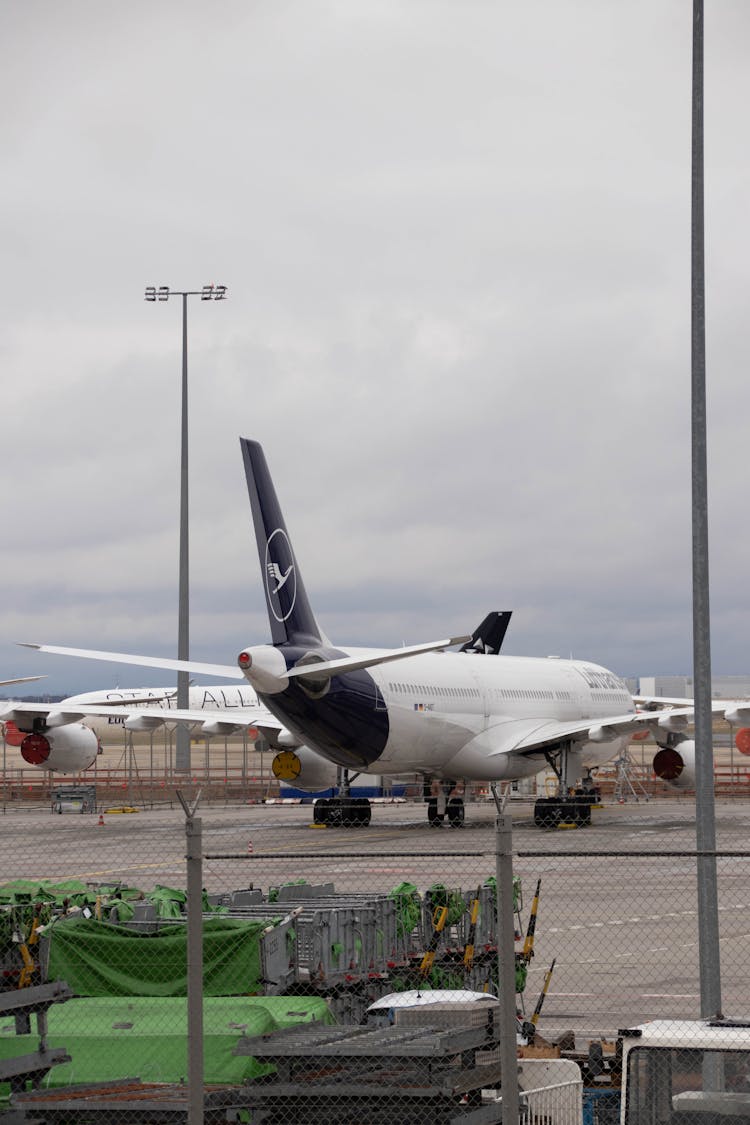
x=705 y=819
x=506 y=976
x=194 y=856
x=182 y=737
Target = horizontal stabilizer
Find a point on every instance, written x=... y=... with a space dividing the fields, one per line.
x=225 y=671
x=352 y=663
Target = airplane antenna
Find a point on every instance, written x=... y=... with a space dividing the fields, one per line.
x=189 y=812
x=501 y=799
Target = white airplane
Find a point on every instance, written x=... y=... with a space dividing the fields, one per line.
x=129 y=705
x=449 y=716
x=65 y=736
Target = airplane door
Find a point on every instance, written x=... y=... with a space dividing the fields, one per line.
x=580 y=702
x=380 y=704
x=484 y=697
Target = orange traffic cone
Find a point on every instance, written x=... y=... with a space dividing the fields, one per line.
x=101 y=821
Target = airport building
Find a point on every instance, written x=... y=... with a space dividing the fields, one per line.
x=681 y=687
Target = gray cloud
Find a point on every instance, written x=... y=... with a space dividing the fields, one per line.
x=457 y=243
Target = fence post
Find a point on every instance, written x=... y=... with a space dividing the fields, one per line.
x=194 y=857
x=506 y=969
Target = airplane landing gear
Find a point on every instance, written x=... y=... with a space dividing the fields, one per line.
x=571 y=807
x=342 y=812
x=556 y=812
x=456 y=812
x=444 y=799
x=434 y=818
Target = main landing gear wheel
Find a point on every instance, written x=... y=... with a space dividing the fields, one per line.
x=342 y=812
x=434 y=818
x=554 y=812
x=456 y=812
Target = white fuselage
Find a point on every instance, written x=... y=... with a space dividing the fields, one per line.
x=212 y=697
x=466 y=715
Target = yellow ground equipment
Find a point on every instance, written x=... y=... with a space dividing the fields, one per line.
x=439 y=918
x=528 y=945
x=472 y=935
x=543 y=993
x=30 y=966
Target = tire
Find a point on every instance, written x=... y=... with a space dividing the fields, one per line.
x=582 y=814
x=362 y=812
x=548 y=812
x=456 y=812
x=320 y=811
x=433 y=818
x=348 y=814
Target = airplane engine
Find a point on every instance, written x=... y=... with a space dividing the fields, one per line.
x=302 y=768
x=676 y=764
x=264 y=667
x=66 y=749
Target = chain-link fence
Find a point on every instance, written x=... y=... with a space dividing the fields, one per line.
x=351 y=975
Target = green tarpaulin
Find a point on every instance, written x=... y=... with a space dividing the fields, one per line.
x=169 y=902
x=100 y=959
x=132 y=1037
x=40 y=890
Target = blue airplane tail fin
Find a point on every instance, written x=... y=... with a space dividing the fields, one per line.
x=291 y=618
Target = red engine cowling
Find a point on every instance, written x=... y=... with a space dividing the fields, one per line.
x=13 y=736
x=66 y=749
x=676 y=765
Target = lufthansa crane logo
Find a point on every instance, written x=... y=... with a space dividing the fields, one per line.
x=275 y=575
x=281 y=580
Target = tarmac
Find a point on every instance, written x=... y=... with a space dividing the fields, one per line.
x=618 y=902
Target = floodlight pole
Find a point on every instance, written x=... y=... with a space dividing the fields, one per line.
x=506 y=971
x=194 y=905
x=705 y=817
x=182 y=733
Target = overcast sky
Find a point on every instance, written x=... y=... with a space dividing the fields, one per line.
x=456 y=236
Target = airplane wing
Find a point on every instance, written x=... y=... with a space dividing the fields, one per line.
x=658 y=702
x=143 y=718
x=529 y=737
x=21 y=680
x=674 y=716
x=736 y=711
x=582 y=730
